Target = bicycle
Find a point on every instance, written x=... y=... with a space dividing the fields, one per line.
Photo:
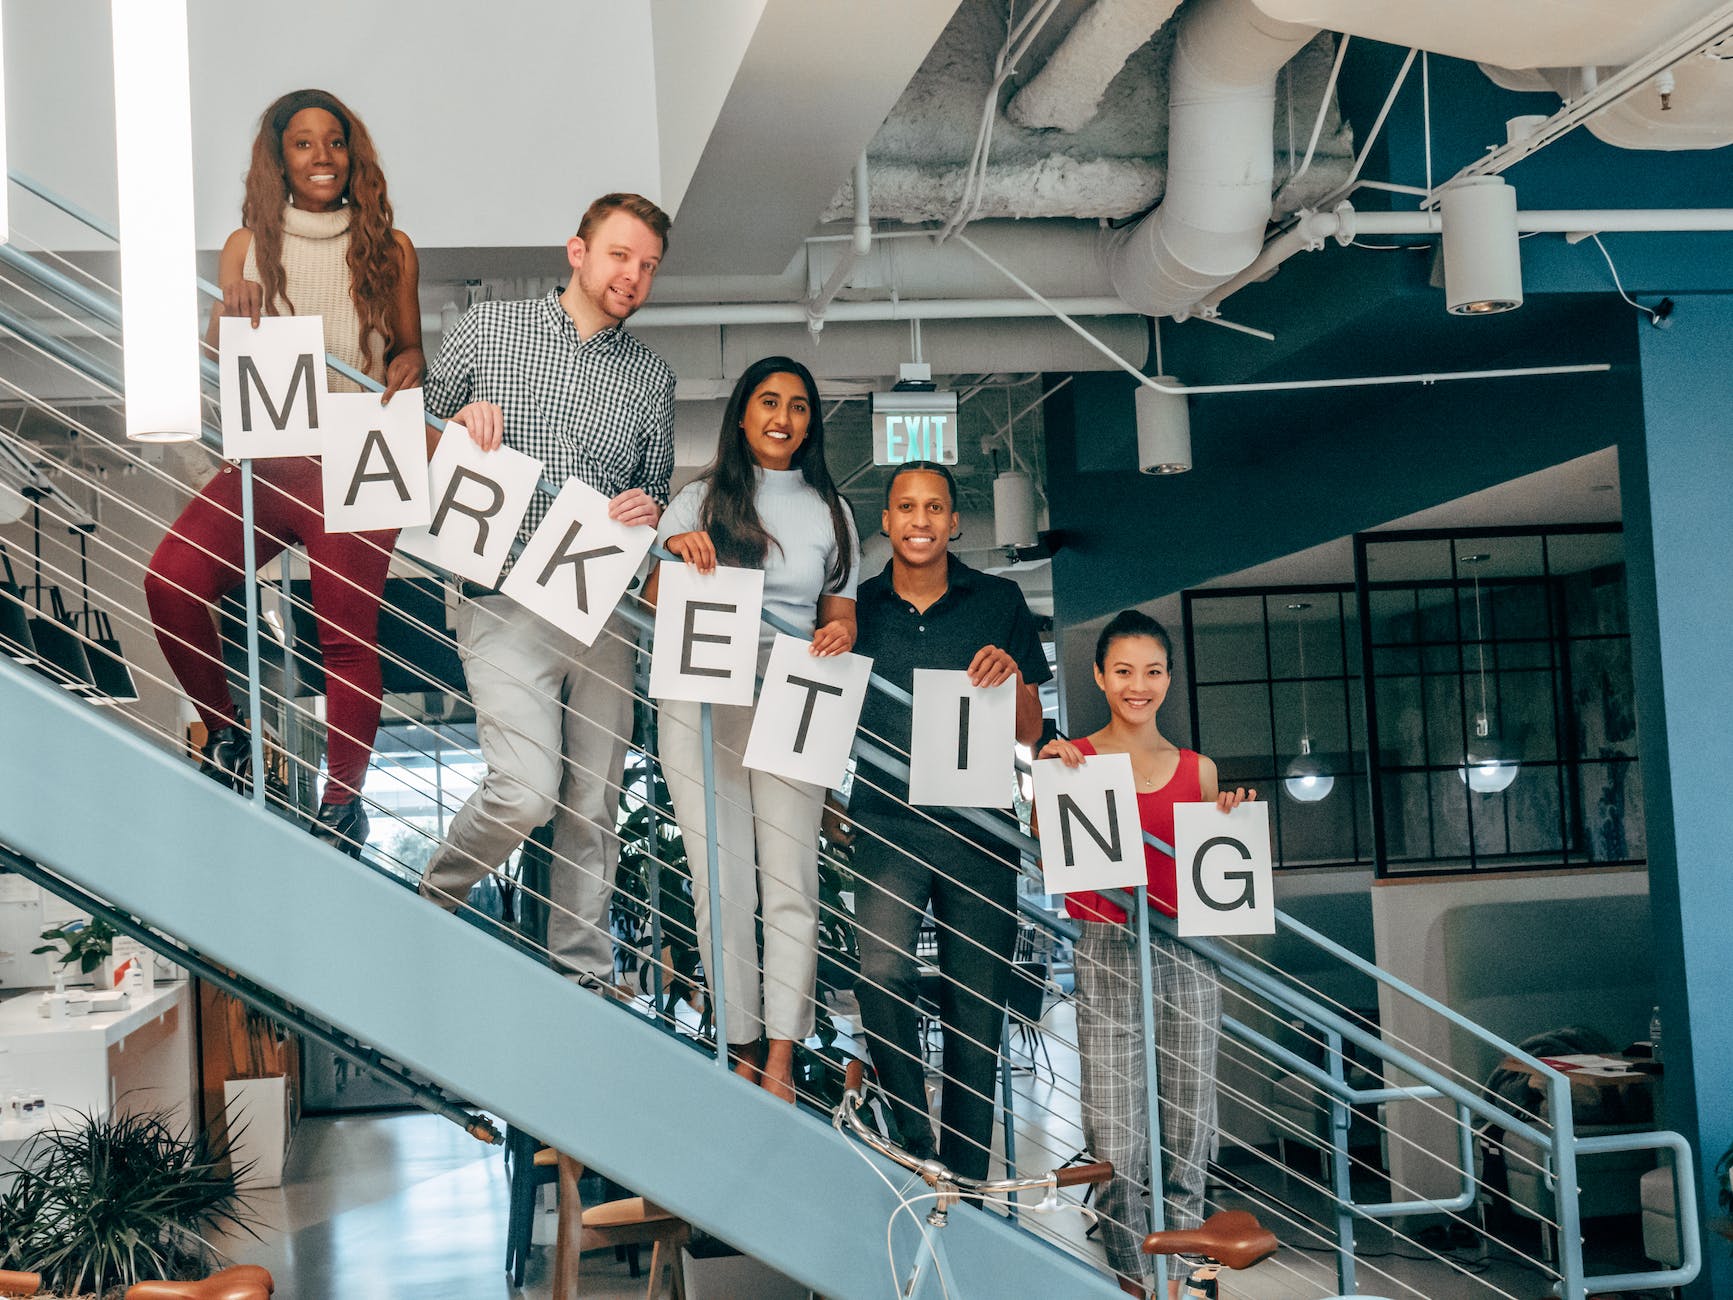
x=948 y=1187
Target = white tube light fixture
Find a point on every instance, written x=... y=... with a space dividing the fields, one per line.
x=1163 y=429
x=1482 y=251
x=154 y=167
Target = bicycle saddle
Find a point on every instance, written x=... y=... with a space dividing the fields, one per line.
x=19 y=1283
x=241 y=1282
x=1233 y=1238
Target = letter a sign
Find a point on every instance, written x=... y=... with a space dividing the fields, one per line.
x=1222 y=864
x=1090 y=836
x=273 y=384
x=374 y=465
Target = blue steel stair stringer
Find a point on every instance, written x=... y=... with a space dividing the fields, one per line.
x=113 y=813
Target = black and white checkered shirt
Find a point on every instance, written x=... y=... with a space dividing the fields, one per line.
x=600 y=409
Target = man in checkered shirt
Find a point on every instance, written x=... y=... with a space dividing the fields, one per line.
x=558 y=378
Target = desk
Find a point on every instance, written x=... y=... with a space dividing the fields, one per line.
x=1605 y=1089
x=142 y=1053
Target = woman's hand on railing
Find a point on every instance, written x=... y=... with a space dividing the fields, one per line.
x=1063 y=750
x=695 y=548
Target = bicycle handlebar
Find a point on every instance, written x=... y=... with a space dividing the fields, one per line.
x=939 y=1176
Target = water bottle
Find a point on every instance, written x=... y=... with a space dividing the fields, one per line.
x=1655 y=1035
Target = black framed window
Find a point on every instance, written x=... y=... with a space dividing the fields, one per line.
x=1269 y=669
x=1500 y=718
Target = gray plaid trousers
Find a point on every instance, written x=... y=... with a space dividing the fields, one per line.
x=1188 y=1014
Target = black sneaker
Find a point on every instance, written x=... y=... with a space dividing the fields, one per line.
x=227 y=757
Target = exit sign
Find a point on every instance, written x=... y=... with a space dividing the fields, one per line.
x=914 y=426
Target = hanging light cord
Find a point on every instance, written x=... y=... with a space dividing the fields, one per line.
x=1305 y=720
x=1480 y=644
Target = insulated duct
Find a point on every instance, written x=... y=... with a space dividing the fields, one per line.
x=1220 y=167
x=1067 y=91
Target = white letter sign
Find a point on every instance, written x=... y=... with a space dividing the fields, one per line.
x=961 y=746
x=272 y=384
x=479 y=498
x=374 y=462
x=706 y=640
x=1090 y=836
x=804 y=725
x=1222 y=863
x=578 y=562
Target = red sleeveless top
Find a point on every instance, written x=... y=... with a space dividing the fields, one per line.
x=1155 y=814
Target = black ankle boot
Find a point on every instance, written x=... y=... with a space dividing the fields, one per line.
x=228 y=757
x=343 y=826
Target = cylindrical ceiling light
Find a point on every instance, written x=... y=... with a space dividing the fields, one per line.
x=1013 y=510
x=1163 y=429
x=154 y=167
x=1482 y=253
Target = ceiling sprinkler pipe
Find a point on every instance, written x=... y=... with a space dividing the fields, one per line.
x=859 y=246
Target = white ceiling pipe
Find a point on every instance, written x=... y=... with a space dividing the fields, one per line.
x=858 y=247
x=770 y=313
x=1066 y=93
x=1220 y=167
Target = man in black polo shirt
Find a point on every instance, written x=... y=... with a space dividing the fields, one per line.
x=928 y=609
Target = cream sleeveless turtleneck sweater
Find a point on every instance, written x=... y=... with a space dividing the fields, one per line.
x=316 y=278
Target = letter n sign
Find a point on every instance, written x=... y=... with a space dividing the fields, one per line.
x=272 y=385
x=1222 y=862
x=1090 y=837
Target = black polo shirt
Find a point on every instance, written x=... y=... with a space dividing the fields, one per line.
x=978 y=609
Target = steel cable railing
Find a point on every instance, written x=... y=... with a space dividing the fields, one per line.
x=1239 y=965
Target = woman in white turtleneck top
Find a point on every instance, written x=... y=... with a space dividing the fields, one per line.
x=766 y=502
x=316 y=240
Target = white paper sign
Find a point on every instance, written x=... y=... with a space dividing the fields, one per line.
x=273 y=387
x=1222 y=863
x=963 y=737
x=804 y=725
x=578 y=562
x=374 y=462
x=706 y=639
x=1090 y=835
x=478 y=500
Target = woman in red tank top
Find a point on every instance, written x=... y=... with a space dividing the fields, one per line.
x=1131 y=667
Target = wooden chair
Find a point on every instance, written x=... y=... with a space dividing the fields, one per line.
x=632 y=1221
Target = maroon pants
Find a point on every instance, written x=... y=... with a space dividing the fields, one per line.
x=200 y=560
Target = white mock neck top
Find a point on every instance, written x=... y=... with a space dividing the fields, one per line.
x=316 y=280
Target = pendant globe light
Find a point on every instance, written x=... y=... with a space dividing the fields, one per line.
x=1306 y=779
x=1486 y=767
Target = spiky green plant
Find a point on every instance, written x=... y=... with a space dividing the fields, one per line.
x=108 y=1200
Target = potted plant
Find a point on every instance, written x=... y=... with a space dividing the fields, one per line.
x=88 y=944
x=107 y=1201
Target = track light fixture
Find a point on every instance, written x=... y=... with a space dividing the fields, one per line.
x=1482 y=252
x=1163 y=429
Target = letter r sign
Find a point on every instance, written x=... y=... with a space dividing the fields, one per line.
x=1223 y=864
